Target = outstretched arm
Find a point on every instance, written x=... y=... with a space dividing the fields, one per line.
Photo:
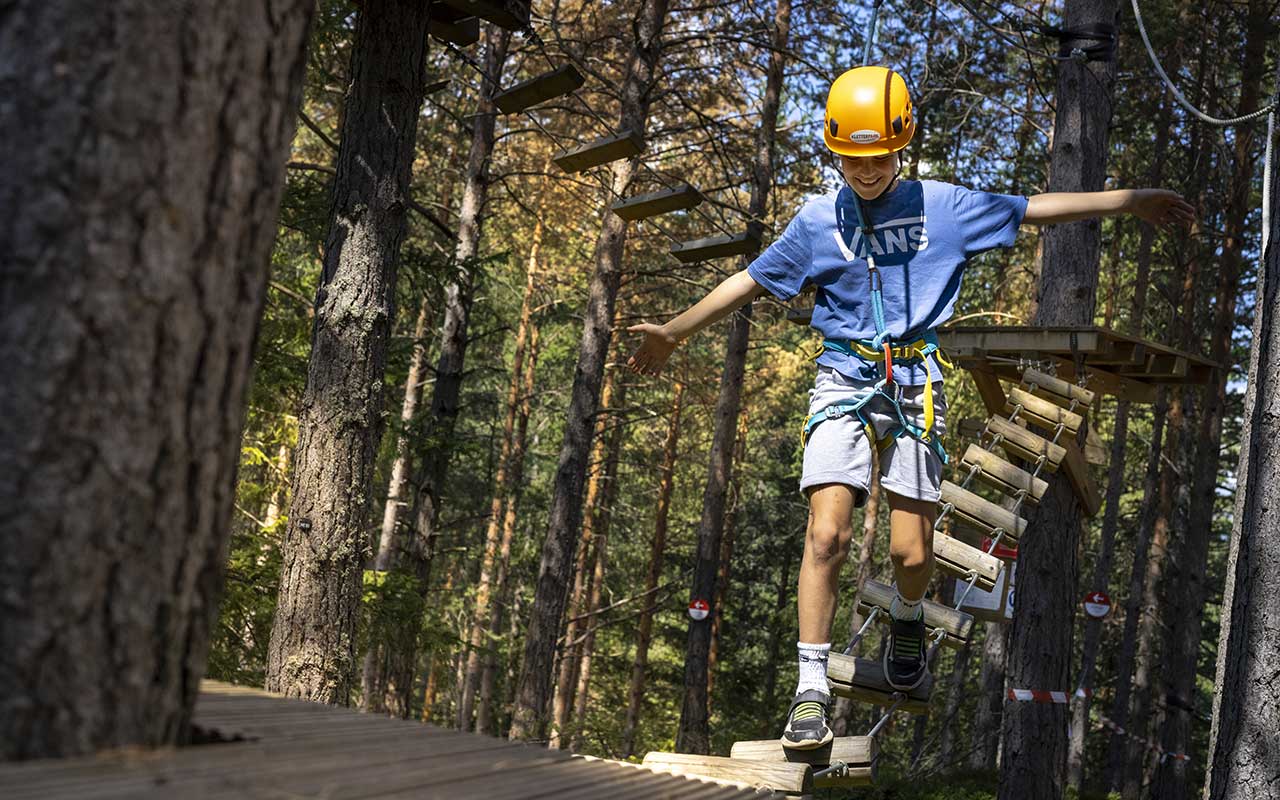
x=1156 y=206
x=733 y=293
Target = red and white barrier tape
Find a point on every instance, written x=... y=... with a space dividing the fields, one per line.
x=1150 y=743
x=1044 y=696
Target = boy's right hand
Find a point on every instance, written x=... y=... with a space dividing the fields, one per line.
x=654 y=351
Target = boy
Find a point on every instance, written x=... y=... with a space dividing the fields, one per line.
x=885 y=256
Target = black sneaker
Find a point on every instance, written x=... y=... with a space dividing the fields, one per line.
x=807 y=721
x=904 y=656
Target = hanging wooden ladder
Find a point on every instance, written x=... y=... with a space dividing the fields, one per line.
x=448 y=25
x=510 y=14
x=609 y=148
x=556 y=83
x=738 y=244
x=661 y=202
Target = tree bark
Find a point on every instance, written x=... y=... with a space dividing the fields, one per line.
x=693 y=735
x=571 y=652
x=1127 y=654
x=1246 y=709
x=373 y=698
x=991 y=693
x=143 y=162
x=657 y=551
x=1034 y=734
x=400 y=468
x=603 y=517
x=726 y=560
x=950 y=726
x=770 y=695
x=1188 y=554
x=1116 y=478
x=484 y=710
x=501 y=485
x=529 y=715
x=583 y=689
x=395 y=658
x=312 y=652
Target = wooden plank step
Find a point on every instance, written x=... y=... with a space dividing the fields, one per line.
x=1000 y=475
x=957 y=558
x=601 y=151
x=462 y=32
x=857 y=752
x=557 y=82
x=981 y=514
x=1042 y=412
x=740 y=244
x=655 y=203
x=957 y=625
x=510 y=14
x=777 y=776
x=863 y=679
x=1056 y=389
x=1022 y=443
x=1077 y=469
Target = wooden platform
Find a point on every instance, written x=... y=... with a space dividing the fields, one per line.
x=294 y=749
x=510 y=14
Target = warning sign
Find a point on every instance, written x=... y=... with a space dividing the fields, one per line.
x=1097 y=604
x=699 y=609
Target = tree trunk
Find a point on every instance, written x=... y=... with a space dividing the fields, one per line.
x=484 y=710
x=692 y=735
x=1034 y=734
x=657 y=550
x=143 y=162
x=571 y=652
x=1127 y=654
x=395 y=657
x=1188 y=555
x=776 y=628
x=949 y=728
x=312 y=652
x=529 y=715
x=1246 y=708
x=1116 y=478
x=603 y=517
x=401 y=466
x=373 y=698
x=583 y=688
x=991 y=693
x=493 y=529
x=726 y=560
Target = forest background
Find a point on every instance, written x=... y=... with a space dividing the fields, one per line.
x=986 y=119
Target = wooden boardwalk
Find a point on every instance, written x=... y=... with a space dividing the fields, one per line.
x=284 y=749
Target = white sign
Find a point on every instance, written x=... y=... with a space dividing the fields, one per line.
x=699 y=609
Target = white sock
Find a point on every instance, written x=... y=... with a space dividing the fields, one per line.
x=813 y=667
x=905 y=610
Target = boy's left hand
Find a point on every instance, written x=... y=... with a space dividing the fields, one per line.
x=1161 y=207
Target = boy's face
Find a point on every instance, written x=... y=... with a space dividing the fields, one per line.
x=869 y=176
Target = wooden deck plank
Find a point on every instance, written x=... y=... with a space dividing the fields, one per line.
x=957 y=624
x=309 y=750
x=780 y=776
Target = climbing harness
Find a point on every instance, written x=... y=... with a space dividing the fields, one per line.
x=882 y=348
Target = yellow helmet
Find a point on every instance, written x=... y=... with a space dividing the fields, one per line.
x=868 y=113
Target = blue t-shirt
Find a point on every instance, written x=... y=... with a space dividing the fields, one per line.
x=923 y=234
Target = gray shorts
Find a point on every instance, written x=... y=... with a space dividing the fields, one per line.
x=839 y=451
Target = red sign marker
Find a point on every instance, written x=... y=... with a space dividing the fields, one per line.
x=1097 y=604
x=699 y=609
